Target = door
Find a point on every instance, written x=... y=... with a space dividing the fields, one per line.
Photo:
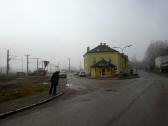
x=103 y=72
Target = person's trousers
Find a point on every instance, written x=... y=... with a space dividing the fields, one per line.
x=53 y=88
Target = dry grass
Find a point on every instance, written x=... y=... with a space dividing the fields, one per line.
x=12 y=94
x=4 y=78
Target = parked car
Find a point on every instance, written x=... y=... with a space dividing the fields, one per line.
x=63 y=74
x=82 y=74
x=77 y=74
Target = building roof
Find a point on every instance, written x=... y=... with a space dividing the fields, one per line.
x=101 y=48
x=103 y=63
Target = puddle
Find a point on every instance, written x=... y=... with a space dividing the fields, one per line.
x=69 y=85
x=45 y=83
x=111 y=90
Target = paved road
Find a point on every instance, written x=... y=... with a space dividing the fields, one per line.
x=136 y=102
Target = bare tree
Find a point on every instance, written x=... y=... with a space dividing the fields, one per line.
x=134 y=63
x=155 y=49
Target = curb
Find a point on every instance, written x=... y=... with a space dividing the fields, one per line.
x=4 y=115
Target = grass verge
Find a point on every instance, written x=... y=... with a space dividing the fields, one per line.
x=4 y=78
x=13 y=94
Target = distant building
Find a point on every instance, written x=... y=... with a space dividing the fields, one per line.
x=161 y=63
x=103 y=61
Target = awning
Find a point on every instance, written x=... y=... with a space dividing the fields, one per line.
x=103 y=63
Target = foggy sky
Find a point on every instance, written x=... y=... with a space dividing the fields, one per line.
x=58 y=29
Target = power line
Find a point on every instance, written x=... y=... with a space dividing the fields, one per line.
x=36 y=62
x=22 y=63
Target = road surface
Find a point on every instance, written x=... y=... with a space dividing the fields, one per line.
x=136 y=102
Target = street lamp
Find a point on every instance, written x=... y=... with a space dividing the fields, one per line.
x=122 y=48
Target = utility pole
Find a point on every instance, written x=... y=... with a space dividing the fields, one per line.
x=8 y=59
x=27 y=55
x=22 y=63
x=37 y=62
x=69 y=59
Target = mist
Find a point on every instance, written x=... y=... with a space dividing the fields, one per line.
x=56 y=30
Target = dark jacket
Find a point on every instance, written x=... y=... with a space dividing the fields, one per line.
x=55 y=78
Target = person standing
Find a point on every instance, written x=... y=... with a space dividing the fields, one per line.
x=54 y=83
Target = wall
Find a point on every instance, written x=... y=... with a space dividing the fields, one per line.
x=116 y=59
x=159 y=61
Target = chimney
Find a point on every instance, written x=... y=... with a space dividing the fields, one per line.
x=104 y=43
x=88 y=49
x=101 y=43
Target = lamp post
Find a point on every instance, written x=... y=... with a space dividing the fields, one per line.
x=125 y=59
x=122 y=48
